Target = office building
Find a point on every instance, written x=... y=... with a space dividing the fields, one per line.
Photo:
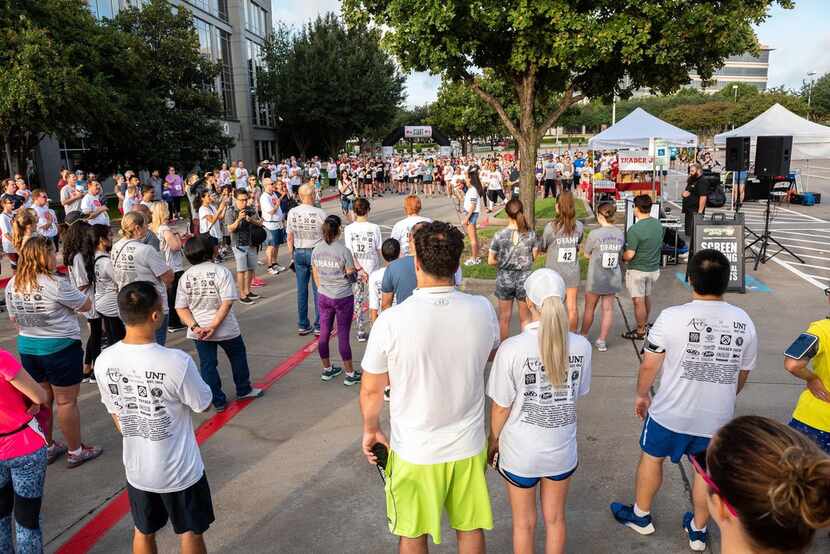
x=231 y=32
x=743 y=68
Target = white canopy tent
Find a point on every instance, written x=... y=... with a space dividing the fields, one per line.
x=637 y=129
x=811 y=141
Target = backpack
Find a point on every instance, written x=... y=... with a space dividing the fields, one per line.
x=716 y=197
x=258 y=235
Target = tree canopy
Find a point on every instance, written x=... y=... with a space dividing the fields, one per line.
x=463 y=115
x=330 y=83
x=562 y=50
x=819 y=97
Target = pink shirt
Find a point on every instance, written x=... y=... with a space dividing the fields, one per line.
x=13 y=405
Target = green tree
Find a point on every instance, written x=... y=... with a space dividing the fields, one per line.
x=819 y=97
x=330 y=81
x=167 y=110
x=51 y=54
x=743 y=90
x=563 y=50
x=705 y=119
x=463 y=115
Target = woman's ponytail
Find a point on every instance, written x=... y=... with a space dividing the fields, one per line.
x=553 y=340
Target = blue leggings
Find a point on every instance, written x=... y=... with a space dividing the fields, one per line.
x=21 y=490
x=821 y=438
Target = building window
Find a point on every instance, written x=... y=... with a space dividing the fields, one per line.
x=103 y=9
x=256 y=18
x=71 y=152
x=262 y=113
x=265 y=150
x=226 y=76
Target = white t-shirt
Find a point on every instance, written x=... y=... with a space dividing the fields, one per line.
x=272 y=217
x=202 y=289
x=204 y=224
x=133 y=261
x=173 y=259
x=402 y=228
x=241 y=178
x=89 y=204
x=706 y=344
x=49 y=311
x=106 y=293
x=375 y=289
x=495 y=180
x=6 y=230
x=472 y=200
x=436 y=373
x=43 y=212
x=363 y=239
x=305 y=224
x=79 y=277
x=66 y=193
x=131 y=202
x=539 y=437
x=151 y=390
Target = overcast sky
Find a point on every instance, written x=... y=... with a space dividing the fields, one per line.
x=800 y=39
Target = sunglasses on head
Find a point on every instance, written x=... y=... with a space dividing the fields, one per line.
x=699 y=463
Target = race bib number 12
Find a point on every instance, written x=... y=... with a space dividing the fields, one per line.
x=610 y=260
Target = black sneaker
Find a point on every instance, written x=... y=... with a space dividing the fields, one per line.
x=253 y=296
x=247 y=301
x=303 y=332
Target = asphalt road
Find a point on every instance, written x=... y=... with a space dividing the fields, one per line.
x=288 y=476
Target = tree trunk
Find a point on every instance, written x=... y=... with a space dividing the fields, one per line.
x=528 y=146
x=7 y=147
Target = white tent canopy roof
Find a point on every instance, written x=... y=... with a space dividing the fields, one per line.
x=636 y=129
x=810 y=140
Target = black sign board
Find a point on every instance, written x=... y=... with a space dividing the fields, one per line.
x=718 y=232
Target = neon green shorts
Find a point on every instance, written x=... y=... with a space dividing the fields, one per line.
x=417 y=495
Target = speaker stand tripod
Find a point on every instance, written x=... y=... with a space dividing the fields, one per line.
x=762 y=256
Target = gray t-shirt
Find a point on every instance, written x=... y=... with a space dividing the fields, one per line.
x=48 y=311
x=563 y=252
x=106 y=293
x=202 y=289
x=513 y=250
x=332 y=261
x=135 y=261
x=174 y=259
x=604 y=246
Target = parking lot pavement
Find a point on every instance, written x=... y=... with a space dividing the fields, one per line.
x=287 y=474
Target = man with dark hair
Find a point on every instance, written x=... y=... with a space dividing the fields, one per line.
x=694 y=198
x=643 y=247
x=149 y=391
x=204 y=302
x=437 y=399
x=705 y=349
x=239 y=219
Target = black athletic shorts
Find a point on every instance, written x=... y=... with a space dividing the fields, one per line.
x=188 y=510
x=63 y=368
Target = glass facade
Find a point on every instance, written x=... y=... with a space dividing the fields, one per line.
x=103 y=9
x=214 y=43
x=256 y=18
x=218 y=8
x=266 y=149
x=262 y=113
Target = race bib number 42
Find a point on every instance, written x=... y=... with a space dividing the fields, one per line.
x=610 y=260
x=566 y=255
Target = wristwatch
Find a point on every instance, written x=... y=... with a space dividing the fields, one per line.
x=193 y=327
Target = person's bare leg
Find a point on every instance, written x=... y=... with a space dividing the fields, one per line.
x=607 y=316
x=193 y=543
x=144 y=544
x=349 y=366
x=505 y=311
x=471 y=542
x=573 y=309
x=471 y=232
x=647 y=300
x=413 y=546
x=68 y=414
x=249 y=278
x=554 y=495
x=591 y=300
x=524 y=314
x=640 y=313
x=240 y=284
x=523 y=506
x=700 y=490
x=270 y=257
x=51 y=407
x=649 y=479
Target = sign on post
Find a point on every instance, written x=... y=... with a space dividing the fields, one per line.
x=727 y=236
x=417 y=131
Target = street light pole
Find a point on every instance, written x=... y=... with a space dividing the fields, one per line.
x=811 y=75
x=735 y=92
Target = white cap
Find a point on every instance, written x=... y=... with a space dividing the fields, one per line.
x=542 y=284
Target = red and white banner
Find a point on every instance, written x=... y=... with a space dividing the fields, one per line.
x=635 y=160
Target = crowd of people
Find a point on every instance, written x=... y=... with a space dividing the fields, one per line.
x=765 y=484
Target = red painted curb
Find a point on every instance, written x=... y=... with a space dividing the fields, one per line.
x=115 y=510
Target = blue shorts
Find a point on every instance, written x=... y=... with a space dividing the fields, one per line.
x=474 y=218
x=660 y=442
x=274 y=237
x=822 y=438
x=63 y=368
x=530 y=482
